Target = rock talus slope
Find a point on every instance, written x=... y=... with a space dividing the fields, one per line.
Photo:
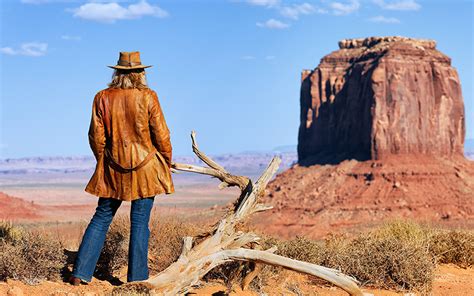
x=381 y=137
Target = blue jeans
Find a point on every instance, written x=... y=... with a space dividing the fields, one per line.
x=94 y=238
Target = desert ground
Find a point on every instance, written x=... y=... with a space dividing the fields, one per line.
x=449 y=280
x=52 y=200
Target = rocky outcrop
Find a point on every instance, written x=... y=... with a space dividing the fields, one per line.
x=381 y=138
x=377 y=97
x=353 y=195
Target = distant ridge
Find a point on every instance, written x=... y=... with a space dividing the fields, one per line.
x=249 y=160
x=15 y=208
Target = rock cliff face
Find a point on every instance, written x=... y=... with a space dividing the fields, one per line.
x=378 y=97
x=381 y=137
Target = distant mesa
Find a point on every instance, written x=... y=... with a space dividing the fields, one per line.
x=381 y=136
x=380 y=96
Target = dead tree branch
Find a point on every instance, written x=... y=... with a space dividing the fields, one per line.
x=225 y=243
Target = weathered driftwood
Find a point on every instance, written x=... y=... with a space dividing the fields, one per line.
x=225 y=243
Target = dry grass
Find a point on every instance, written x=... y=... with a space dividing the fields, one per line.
x=395 y=256
x=29 y=257
x=455 y=246
x=166 y=240
x=399 y=255
x=166 y=236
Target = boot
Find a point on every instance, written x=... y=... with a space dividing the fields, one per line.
x=74 y=281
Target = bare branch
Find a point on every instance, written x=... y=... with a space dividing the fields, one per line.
x=331 y=275
x=187 y=244
x=207 y=160
x=246 y=206
x=225 y=244
x=225 y=177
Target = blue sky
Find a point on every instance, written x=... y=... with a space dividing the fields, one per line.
x=228 y=69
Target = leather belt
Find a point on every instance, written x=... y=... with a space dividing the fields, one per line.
x=118 y=167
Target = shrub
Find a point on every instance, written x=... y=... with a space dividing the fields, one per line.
x=398 y=255
x=10 y=233
x=302 y=249
x=394 y=256
x=29 y=256
x=455 y=246
x=166 y=239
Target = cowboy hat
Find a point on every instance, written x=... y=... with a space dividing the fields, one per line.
x=129 y=61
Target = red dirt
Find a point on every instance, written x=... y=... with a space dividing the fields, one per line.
x=17 y=209
x=317 y=200
x=449 y=280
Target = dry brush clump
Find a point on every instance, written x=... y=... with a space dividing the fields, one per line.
x=166 y=239
x=395 y=256
x=398 y=255
x=29 y=256
x=455 y=246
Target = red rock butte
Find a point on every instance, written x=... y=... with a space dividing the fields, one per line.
x=381 y=137
x=380 y=96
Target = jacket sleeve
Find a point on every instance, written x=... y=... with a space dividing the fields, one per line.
x=96 y=129
x=160 y=134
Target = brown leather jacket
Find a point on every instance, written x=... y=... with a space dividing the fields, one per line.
x=131 y=143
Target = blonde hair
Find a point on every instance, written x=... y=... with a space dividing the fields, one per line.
x=129 y=79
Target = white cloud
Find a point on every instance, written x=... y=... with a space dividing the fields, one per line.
x=339 y=8
x=111 y=12
x=32 y=49
x=7 y=50
x=270 y=57
x=71 y=38
x=289 y=11
x=273 y=24
x=295 y=10
x=398 y=5
x=267 y=3
x=385 y=20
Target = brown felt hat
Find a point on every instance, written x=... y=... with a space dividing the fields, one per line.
x=129 y=61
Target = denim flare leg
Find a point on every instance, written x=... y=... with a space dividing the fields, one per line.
x=94 y=238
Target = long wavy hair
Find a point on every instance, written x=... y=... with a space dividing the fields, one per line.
x=125 y=79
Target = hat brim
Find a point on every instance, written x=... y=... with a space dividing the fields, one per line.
x=128 y=68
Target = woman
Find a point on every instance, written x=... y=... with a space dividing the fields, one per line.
x=131 y=143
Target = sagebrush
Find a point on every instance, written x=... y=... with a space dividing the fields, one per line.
x=399 y=255
x=28 y=256
x=166 y=237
